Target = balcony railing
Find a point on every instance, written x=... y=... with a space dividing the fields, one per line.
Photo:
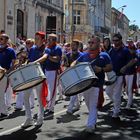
x=79 y=2
x=49 y=5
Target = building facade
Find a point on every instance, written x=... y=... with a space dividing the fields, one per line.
x=120 y=24
x=24 y=17
x=76 y=20
x=100 y=15
x=84 y=18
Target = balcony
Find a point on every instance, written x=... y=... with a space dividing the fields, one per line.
x=78 y=2
x=49 y=5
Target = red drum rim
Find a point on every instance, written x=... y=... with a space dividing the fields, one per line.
x=67 y=93
x=39 y=82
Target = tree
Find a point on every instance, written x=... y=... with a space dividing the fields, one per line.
x=134 y=27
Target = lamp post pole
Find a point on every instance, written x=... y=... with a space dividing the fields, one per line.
x=72 y=25
x=118 y=18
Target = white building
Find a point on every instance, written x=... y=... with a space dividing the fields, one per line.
x=25 y=17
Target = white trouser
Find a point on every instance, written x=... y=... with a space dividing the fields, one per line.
x=32 y=98
x=20 y=99
x=129 y=83
x=3 y=85
x=27 y=94
x=114 y=92
x=8 y=96
x=91 y=100
x=138 y=81
x=59 y=89
x=51 y=81
x=74 y=101
x=80 y=97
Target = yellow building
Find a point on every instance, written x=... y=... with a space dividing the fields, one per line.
x=76 y=20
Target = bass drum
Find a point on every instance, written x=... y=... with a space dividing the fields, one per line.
x=26 y=77
x=77 y=79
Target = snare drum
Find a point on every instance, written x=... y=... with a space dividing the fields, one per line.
x=110 y=78
x=26 y=76
x=77 y=79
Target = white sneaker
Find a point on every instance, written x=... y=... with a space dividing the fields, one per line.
x=61 y=97
x=76 y=108
x=39 y=122
x=27 y=123
x=90 y=129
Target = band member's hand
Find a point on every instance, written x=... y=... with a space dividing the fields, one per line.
x=2 y=70
x=97 y=69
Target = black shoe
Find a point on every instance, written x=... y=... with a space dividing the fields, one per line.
x=46 y=110
x=3 y=116
x=18 y=109
x=116 y=119
x=50 y=113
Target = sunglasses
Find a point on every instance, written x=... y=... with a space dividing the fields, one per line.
x=116 y=40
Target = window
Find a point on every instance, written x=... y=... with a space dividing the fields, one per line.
x=78 y=0
x=20 y=23
x=49 y=1
x=76 y=14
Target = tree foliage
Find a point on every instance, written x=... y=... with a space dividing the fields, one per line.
x=134 y=27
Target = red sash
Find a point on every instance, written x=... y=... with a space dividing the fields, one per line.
x=44 y=93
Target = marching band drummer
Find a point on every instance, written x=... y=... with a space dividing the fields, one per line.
x=52 y=62
x=101 y=63
x=74 y=104
x=120 y=57
x=35 y=53
x=7 y=60
x=22 y=58
x=130 y=72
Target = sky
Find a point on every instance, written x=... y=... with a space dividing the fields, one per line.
x=132 y=9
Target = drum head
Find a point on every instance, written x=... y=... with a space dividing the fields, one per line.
x=80 y=87
x=28 y=84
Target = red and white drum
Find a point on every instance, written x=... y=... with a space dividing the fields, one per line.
x=77 y=79
x=26 y=76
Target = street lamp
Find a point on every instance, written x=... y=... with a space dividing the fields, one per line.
x=122 y=7
x=117 y=17
x=72 y=25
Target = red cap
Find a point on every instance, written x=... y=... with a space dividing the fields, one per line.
x=40 y=33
